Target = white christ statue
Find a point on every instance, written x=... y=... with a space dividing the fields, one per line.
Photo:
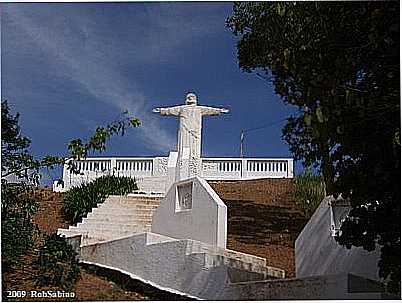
x=190 y=124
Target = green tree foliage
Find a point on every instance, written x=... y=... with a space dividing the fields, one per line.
x=19 y=177
x=79 y=149
x=339 y=64
x=17 y=203
x=16 y=159
x=14 y=146
x=57 y=264
x=309 y=191
x=80 y=200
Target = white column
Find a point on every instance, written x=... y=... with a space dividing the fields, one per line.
x=113 y=165
x=290 y=168
x=243 y=168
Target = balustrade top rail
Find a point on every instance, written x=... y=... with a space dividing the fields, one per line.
x=204 y=158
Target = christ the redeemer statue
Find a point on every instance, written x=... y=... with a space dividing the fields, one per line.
x=190 y=124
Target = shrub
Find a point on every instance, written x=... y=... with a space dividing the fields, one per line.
x=309 y=191
x=57 y=263
x=80 y=200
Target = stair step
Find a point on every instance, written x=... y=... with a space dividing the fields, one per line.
x=129 y=200
x=124 y=217
x=105 y=235
x=109 y=226
x=120 y=221
x=137 y=196
x=128 y=207
x=119 y=211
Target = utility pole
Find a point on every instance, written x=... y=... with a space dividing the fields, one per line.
x=241 y=144
x=243 y=131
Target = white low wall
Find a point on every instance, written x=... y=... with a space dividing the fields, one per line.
x=192 y=210
x=317 y=252
x=175 y=266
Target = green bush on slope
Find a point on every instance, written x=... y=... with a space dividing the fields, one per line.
x=80 y=200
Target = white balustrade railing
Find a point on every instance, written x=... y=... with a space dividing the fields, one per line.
x=246 y=168
x=154 y=170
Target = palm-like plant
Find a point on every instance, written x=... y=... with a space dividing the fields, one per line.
x=309 y=191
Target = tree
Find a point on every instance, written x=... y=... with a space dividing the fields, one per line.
x=339 y=64
x=18 y=202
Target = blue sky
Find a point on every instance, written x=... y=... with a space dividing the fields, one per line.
x=68 y=68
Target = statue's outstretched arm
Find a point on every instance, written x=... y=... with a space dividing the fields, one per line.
x=166 y=111
x=206 y=110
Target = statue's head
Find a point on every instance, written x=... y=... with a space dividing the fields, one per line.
x=191 y=99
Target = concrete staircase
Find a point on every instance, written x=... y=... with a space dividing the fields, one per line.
x=255 y=266
x=117 y=217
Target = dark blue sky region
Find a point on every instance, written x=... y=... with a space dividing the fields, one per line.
x=70 y=67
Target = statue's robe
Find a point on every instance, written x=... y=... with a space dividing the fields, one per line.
x=190 y=124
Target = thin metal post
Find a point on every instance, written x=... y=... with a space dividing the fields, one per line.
x=241 y=143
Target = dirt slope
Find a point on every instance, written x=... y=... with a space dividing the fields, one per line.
x=263 y=219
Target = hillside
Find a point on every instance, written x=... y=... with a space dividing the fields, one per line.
x=103 y=285
x=263 y=219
